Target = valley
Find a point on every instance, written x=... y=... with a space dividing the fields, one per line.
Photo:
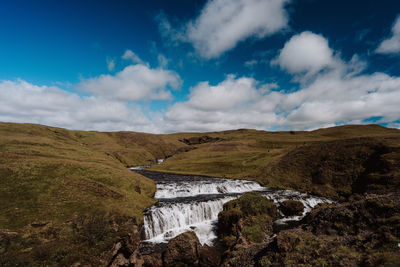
x=68 y=197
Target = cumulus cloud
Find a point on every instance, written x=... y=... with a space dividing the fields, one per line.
x=233 y=103
x=224 y=23
x=392 y=44
x=111 y=103
x=339 y=94
x=134 y=82
x=21 y=101
x=333 y=98
x=306 y=52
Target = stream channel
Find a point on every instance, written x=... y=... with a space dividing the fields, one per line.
x=192 y=203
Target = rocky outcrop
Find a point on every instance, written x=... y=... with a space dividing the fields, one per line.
x=245 y=227
x=364 y=232
x=248 y=219
x=126 y=251
x=181 y=150
x=186 y=250
x=182 y=250
x=360 y=233
x=291 y=207
x=200 y=140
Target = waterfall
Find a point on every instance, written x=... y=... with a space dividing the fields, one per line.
x=192 y=203
x=309 y=202
x=169 y=219
x=206 y=186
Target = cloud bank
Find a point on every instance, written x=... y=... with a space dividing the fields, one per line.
x=21 y=101
x=331 y=92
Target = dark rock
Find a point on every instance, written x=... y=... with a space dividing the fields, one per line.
x=182 y=250
x=120 y=260
x=186 y=250
x=359 y=233
x=152 y=260
x=209 y=256
x=291 y=207
x=200 y=140
x=39 y=224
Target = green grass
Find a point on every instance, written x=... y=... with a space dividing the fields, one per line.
x=328 y=162
x=65 y=178
x=56 y=176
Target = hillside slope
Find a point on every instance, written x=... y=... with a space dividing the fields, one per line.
x=334 y=162
x=67 y=195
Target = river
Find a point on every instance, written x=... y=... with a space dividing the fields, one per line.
x=192 y=203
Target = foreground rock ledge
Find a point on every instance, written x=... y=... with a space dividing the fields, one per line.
x=184 y=250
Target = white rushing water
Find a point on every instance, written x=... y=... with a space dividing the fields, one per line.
x=192 y=203
x=165 y=221
x=309 y=202
x=206 y=186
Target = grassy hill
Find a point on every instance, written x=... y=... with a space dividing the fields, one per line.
x=331 y=162
x=67 y=196
x=57 y=186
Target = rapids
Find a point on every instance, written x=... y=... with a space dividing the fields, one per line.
x=192 y=203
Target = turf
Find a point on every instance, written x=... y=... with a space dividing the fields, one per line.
x=317 y=162
x=68 y=196
x=56 y=177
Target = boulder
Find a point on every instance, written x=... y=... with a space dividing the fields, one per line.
x=186 y=250
x=182 y=250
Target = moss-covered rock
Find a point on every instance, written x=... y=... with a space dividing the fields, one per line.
x=246 y=219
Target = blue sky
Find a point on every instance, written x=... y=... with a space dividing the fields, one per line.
x=165 y=66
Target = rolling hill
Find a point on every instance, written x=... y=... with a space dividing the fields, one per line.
x=67 y=196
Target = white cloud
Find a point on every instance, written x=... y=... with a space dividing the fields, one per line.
x=306 y=53
x=337 y=95
x=392 y=44
x=337 y=92
x=332 y=98
x=110 y=64
x=224 y=23
x=130 y=55
x=224 y=96
x=21 y=101
x=107 y=108
x=135 y=82
x=233 y=103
